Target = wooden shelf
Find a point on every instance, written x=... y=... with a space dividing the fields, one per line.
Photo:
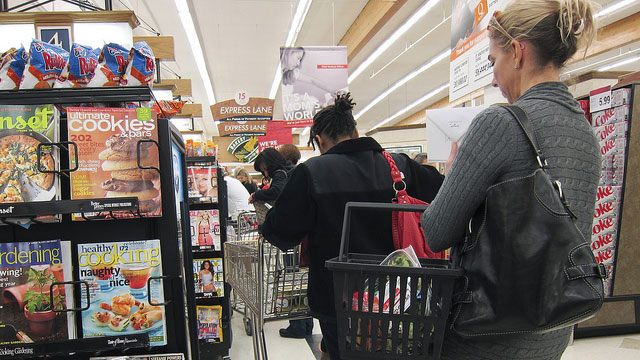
x=64 y=17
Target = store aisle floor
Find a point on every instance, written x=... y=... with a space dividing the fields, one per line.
x=624 y=347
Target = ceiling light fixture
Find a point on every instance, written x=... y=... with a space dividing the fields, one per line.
x=194 y=42
x=619 y=63
x=428 y=5
x=442 y=56
x=412 y=105
x=294 y=30
x=614 y=7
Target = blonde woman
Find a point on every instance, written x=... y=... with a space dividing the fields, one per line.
x=530 y=41
x=246 y=180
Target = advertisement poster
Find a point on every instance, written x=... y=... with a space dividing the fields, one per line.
x=117 y=274
x=311 y=76
x=117 y=156
x=277 y=134
x=470 y=68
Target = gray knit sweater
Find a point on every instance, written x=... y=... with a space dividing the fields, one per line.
x=495 y=149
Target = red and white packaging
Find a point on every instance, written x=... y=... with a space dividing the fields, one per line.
x=618 y=161
x=606 y=209
x=603 y=242
x=607 y=162
x=620 y=97
x=617 y=177
x=46 y=63
x=604 y=226
x=608 y=283
x=605 y=256
x=606 y=176
x=611 y=130
x=584 y=104
x=612 y=146
x=608 y=193
x=615 y=114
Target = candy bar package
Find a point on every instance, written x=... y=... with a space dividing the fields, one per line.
x=46 y=63
x=141 y=67
x=620 y=97
x=81 y=68
x=112 y=63
x=12 y=65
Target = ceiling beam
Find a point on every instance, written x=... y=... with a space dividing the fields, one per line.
x=371 y=19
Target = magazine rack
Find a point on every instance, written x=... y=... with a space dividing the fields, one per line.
x=213 y=350
x=169 y=229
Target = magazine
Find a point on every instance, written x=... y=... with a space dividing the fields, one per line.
x=22 y=129
x=202 y=183
x=27 y=270
x=208 y=277
x=205 y=230
x=117 y=274
x=113 y=144
x=209 y=323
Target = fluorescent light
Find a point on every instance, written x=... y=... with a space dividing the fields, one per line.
x=443 y=55
x=619 y=63
x=428 y=5
x=194 y=41
x=615 y=7
x=294 y=30
x=412 y=105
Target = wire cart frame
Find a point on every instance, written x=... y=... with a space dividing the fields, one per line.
x=269 y=282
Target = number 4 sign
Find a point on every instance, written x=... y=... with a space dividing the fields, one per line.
x=600 y=99
x=56 y=35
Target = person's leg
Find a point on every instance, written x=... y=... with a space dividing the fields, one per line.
x=330 y=338
x=297 y=329
x=309 y=325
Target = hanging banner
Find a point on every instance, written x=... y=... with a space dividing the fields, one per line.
x=238 y=128
x=311 y=75
x=292 y=124
x=470 y=68
x=277 y=134
x=239 y=109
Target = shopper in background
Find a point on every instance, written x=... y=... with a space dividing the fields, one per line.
x=312 y=204
x=236 y=196
x=264 y=183
x=290 y=152
x=272 y=165
x=529 y=43
x=421 y=159
x=246 y=180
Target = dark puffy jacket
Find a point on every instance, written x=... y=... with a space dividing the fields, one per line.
x=312 y=204
x=278 y=180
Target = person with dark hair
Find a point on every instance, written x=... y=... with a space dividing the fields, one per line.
x=272 y=165
x=290 y=152
x=206 y=277
x=529 y=43
x=421 y=159
x=312 y=203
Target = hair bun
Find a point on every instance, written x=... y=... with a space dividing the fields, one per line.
x=344 y=103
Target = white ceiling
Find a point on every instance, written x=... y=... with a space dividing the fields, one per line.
x=241 y=40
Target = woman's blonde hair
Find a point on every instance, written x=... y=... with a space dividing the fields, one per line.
x=245 y=173
x=556 y=28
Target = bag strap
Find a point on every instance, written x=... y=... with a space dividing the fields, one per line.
x=395 y=175
x=527 y=127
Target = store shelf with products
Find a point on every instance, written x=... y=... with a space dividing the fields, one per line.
x=208 y=220
x=615 y=231
x=106 y=315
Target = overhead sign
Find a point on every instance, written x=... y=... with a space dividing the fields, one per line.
x=470 y=68
x=238 y=128
x=255 y=109
x=311 y=76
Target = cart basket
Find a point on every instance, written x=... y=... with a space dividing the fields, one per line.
x=388 y=312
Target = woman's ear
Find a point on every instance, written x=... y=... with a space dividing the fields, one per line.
x=517 y=48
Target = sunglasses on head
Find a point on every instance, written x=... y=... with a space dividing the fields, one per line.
x=495 y=24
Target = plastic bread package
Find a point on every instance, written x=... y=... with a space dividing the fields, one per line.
x=46 y=63
x=12 y=65
x=81 y=68
x=112 y=63
x=141 y=67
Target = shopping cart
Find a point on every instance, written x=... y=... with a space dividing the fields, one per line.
x=376 y=322
x=269 y=282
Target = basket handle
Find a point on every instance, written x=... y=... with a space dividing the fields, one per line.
x=371 y=206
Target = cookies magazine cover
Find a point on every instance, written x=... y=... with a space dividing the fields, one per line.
x=110 y=141
x=22 y=129
x=117 y=275
x=27 y=270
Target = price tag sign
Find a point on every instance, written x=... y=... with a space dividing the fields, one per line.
x=600 y=99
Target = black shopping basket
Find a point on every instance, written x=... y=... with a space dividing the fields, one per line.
x=388 y=312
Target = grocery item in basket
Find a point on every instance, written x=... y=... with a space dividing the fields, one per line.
x=83 y=61
x=141 y=66
x=46 y=63
x=12 y=65
x=112 y=63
